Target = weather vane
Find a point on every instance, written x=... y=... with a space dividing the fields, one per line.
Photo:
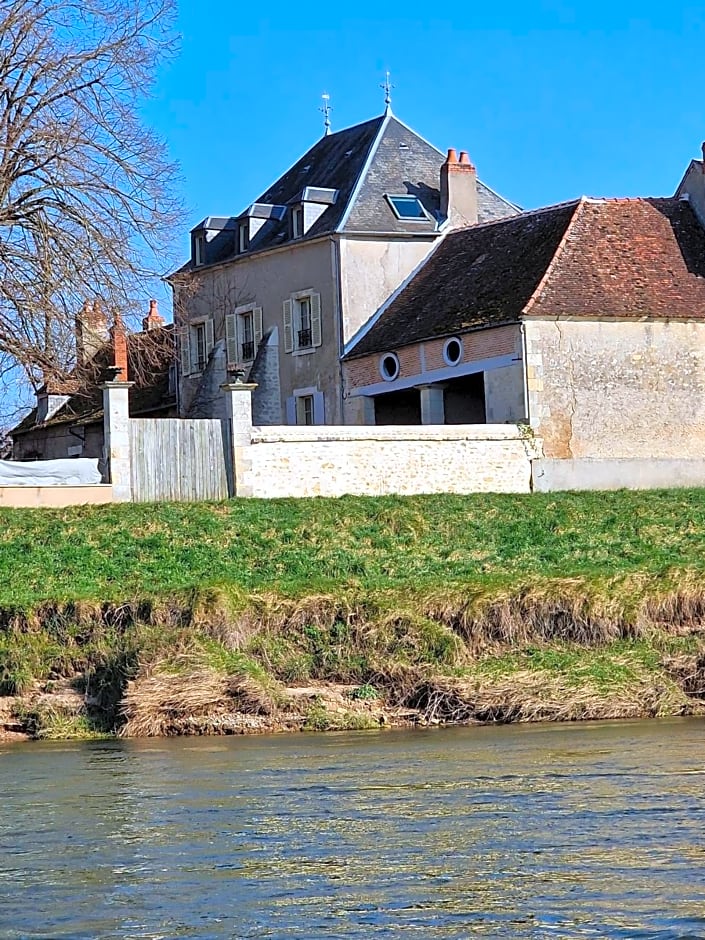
x=387 y=86
x=326 y=110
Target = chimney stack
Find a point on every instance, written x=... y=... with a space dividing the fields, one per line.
x=459 y=190
x=118 y=336
x=91 y=329
x=154 y=320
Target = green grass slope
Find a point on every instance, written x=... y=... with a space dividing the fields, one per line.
x=460 y=608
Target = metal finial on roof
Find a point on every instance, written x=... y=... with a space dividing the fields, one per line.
x=326 y=110
x=387 y=86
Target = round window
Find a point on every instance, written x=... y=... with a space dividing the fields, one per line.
x=389 y=367
x=453 y=351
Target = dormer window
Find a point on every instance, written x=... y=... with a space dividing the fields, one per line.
x=243 y=237
x=199 y=250
x=407 y=208
x=297 y=221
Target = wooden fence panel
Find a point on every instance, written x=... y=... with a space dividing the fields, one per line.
x=180 y=460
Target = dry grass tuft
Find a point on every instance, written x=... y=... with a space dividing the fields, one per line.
x=167 y=702
x=528 y=696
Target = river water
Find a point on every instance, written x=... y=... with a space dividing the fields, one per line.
x=543 y=831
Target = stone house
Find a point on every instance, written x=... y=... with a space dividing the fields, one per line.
x=585 y=320
x=68 y=418
x=278 y=291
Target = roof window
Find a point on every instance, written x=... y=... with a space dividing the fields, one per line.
x=408 y=208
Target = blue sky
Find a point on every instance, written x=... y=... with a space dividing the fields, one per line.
x=551 y=99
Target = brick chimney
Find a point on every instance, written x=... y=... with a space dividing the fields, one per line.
x=154 y=320
x=459 y=190
x=118 y=337
x=91 y=330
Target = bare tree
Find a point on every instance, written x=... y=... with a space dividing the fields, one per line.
x=87 y=200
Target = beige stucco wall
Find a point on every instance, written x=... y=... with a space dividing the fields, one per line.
x=268 y=279
x=617 y=389
x=55 y=496
x=370 y=271
x=375 y=461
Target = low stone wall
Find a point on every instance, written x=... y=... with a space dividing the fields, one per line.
x=552 y=475
x=54 y=496
x=333 y=461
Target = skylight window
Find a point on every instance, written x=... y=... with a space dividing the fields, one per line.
x=408 y=208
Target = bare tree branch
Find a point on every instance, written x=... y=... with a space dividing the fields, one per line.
x=87 y=204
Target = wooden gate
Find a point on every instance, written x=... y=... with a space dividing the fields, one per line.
x=182 y=460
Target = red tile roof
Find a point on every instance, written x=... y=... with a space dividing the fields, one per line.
x=626 y=258
x=593 y=258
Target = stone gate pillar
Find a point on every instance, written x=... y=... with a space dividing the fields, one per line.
x=238 y=409
x=116 y=434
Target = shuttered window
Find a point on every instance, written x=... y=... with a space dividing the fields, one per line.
x=302 y=322
x=196 y=344
x=243 y=334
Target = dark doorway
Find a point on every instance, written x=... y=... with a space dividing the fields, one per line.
x=402 y=407
x=464 y=400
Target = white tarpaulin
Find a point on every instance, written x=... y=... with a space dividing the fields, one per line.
x=76 y=471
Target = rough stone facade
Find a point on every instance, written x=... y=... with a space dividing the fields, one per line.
x=617 y=389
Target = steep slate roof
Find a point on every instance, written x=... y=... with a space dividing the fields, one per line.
x=149 y=357
x=363 y=163
x=589 y=258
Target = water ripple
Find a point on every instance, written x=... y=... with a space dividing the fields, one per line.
x=543 y=833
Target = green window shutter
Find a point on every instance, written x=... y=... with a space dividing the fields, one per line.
x=257 y=327
x=185 y=348
x=231 y=338
x=209 y=338
x=315 y=319
x=288 y=331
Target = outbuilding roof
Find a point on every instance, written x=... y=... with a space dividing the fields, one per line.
x=614 y=258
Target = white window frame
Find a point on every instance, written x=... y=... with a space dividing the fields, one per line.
x=293 y=325
x=235 y=333
x=393 y=356
x=293 y=406
x=243 y=237
x=297 y=222
x=446 y=358
x=405 y=218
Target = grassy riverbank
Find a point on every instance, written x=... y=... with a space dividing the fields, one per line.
x=254 y=615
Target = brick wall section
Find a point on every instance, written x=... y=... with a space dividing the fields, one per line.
x=334 y=461
x=481 y=344
x=478 y=345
